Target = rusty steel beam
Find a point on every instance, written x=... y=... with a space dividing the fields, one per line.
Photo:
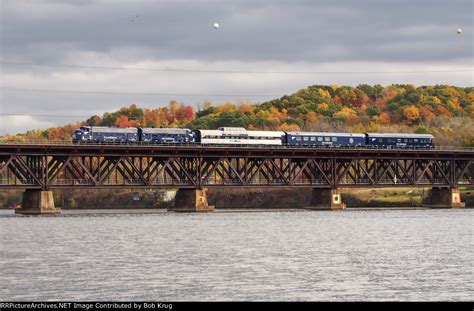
x=70 y=166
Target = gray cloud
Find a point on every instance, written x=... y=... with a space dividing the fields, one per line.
x=250 y=30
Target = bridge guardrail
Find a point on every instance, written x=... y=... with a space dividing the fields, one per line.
x=17 y=181
x=359 y=181
x=310 y=182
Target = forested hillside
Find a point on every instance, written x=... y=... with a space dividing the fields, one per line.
x=444 y=111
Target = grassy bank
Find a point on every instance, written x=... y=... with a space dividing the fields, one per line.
x=384 y=197
x=233 y=198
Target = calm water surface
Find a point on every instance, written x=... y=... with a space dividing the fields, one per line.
x=286 y=255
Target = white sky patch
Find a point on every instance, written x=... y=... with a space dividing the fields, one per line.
x=20 y=124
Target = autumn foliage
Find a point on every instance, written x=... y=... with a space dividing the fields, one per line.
x=445 y=111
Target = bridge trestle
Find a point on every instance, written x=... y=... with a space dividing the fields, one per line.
x=41 y=167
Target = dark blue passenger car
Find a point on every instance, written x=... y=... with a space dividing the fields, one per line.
x=166 y=135
x=400 y=140
x=105 y=134
x=325 y=139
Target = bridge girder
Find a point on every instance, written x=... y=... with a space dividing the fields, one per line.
x=50 y=171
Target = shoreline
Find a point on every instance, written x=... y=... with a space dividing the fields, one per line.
x=144 y=211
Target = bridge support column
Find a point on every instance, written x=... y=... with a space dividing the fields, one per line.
x=37 y=202
x=326 y=199
x=444 y=198
x=191 y=200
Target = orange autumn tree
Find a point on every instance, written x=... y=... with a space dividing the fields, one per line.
x=123 y=121
x=385 y=118
x=411 y=113
x=179 y=114
x=311 y=120
x=155 y=117
x=55 y=133
x=346 y=114
x=427 y=113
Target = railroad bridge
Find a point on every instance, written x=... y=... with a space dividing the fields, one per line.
x=41 y=168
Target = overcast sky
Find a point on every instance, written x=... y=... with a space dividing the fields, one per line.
x=262 y=50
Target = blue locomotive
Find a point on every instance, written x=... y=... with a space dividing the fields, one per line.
x=166 y=135
x=105 y=134
x=241 y=136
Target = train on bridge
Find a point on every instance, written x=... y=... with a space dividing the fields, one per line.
x=241 y=136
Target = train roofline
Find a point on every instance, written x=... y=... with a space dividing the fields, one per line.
x=327 y=134
x=400 y=135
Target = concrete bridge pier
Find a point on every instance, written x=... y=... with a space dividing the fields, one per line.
x=326 y=199
x=37 y=202
x=444 y=198
x=191 y=200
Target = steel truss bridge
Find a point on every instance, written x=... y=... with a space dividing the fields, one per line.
x=50 y=166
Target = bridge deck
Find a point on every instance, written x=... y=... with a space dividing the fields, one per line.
x=235 y=151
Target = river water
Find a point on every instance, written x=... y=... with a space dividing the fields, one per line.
x=278 y=255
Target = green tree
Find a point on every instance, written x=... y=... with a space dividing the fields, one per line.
x=422 y=130
x=373 y=111
x=94 y=121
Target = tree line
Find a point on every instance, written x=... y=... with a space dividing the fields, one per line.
x=442 y=110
